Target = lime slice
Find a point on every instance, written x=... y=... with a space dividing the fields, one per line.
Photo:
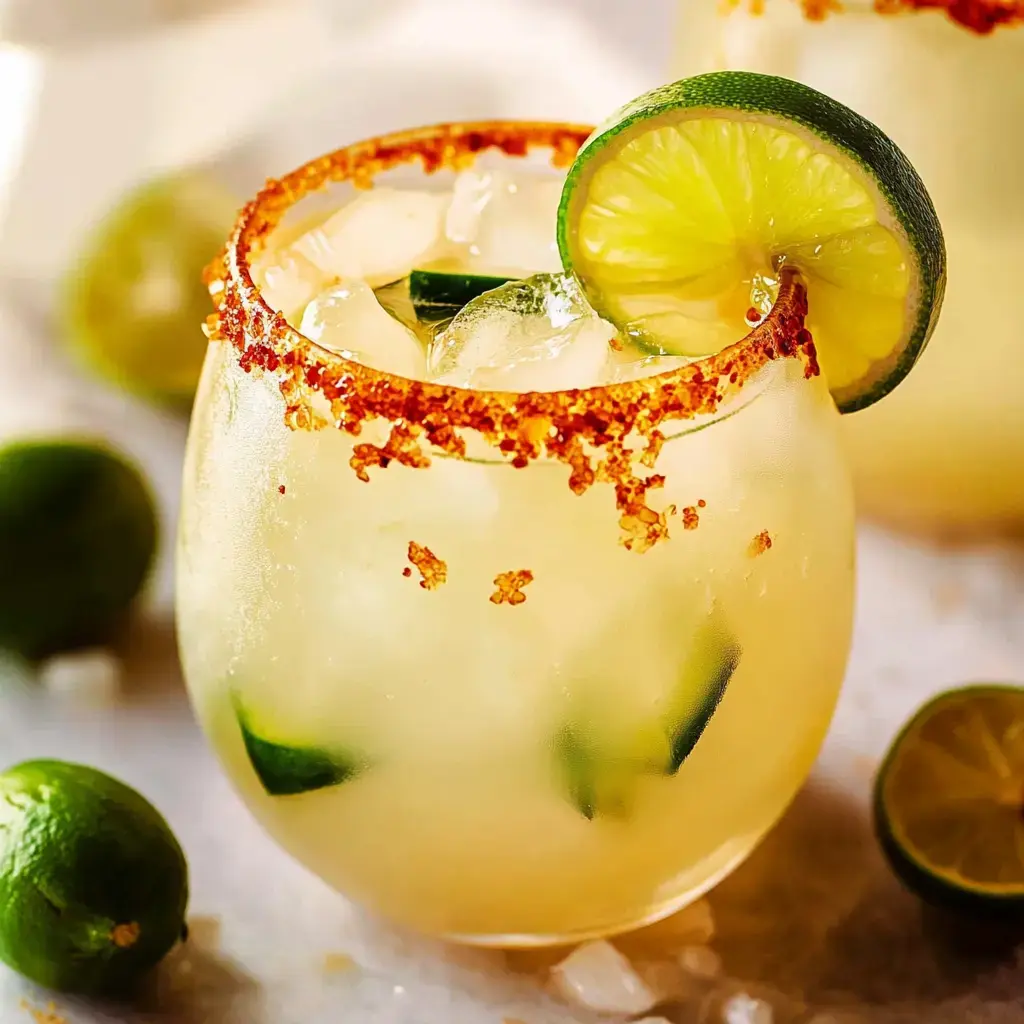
x=134 y=301
x=93 y=883
x=287 y=770
x=600 y=764
x=949 y=801
x=679 y=213
x=437 y=294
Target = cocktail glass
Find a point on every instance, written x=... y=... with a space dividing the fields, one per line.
x=508 y=668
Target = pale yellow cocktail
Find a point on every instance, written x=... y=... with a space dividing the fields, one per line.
x=515 y=666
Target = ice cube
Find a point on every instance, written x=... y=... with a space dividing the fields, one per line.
x=471 y=194
x=534 y=335
x=666 y=980
x=379 y=236
x=619 y=370
x=92 y=675
x=744 y=1009
x=700 y=961
x=597 y=976
x=286 y=280
x=508 y=223
x=349 y=320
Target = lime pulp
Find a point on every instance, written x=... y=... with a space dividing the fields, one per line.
x=680 y=212
x=949 y=801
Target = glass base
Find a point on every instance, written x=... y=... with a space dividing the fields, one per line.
x=652 y=914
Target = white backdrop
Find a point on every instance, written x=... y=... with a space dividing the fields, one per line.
x=97 y=94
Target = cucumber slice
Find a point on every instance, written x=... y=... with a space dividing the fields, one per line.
x=714 y=658
x=438 y=294
x=287 y=770
x=599 y=779
x=599 y=774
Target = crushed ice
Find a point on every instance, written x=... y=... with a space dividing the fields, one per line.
x=598 y=977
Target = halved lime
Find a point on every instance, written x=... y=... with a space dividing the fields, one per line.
x=134 y=300
x=288 y=769
x=949 y=801
x=680 y=211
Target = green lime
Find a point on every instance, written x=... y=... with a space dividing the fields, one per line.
x=134 y=301
x=949 y=801
x=93 y=884
x=680 y=211
x=78 y=533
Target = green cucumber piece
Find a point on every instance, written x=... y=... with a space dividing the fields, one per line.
x=288 y=770
x=438 y=294
x=600 y=781
x=714 y=658
x=599 y=774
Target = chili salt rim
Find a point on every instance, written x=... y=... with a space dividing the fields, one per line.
x=521 y=426
x=980 y=16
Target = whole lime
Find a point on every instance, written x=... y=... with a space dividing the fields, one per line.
x=78 y=533
x=93 y=883
x=134 y=302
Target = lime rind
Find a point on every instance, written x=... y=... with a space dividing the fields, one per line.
x=851 y=143
x=963 y=796
x=93 y=882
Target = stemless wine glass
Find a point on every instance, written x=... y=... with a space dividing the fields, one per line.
x=508 y=668
x=946 y=453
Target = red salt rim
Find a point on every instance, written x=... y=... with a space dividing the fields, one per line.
x=585 y=428
x=980 y=16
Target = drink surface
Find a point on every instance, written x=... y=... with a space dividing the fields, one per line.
x=541 y=335
x=508 y=714
x=946 y=453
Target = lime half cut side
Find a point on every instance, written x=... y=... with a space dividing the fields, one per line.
x=680 y=212
x=949 y=801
